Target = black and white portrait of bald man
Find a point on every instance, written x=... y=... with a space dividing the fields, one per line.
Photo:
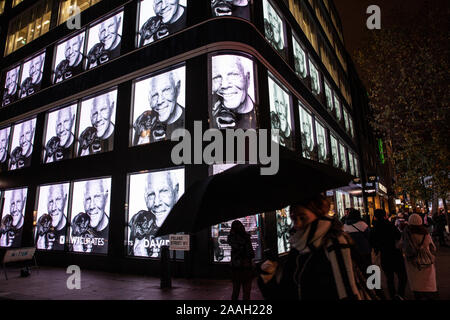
x=160 y=18
x=96 y=127
x=236 y=8
x=159 y=106
x=13 y=218
x=59 y=138
x=233 y=92
x=321 y=138
x=69 y=58
x=280 y=114
x=273 y=27
x=337 y=107
x=4 y=144
x=22 y=145
x=306 y=127
x=329 y=97
x=151 y=197
x=315 y=78
x=334 y=151
x=11 y=88
x=32 y=75
x=300 y=60
x=343 y=157
x=104 y=41
x=51 y=219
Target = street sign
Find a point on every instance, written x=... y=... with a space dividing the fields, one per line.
x=179 y=242
x=22 y=254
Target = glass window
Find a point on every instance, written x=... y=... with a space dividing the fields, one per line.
x=284 y=225
x=11 y=89
x=69 y=58
x=329 y=97
x=32 y=72
x=5 y=135
x=300 y=60
x=158 y=106
x=232 y=103
x=303 y=18
x=322 y=146
x=59 y=135
x=2 y=6
x=315 y=78
x=67 y=8
x=13 y=217
x=306 y=127
x=281 y=114
x=29 y=25
x=157 y=22
x=146 y=192
x=89 y=216
x=16 y=2
x=22 y=144
x=96 y=124
x=274 y=28
x=50 y=221
x=334 y=151
x=239 y=8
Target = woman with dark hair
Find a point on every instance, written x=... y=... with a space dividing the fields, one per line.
x=359 y=231
x=241 y=260
x=319 y=265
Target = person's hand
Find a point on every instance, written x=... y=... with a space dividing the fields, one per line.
x=268 y=269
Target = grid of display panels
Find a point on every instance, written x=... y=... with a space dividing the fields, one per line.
x=220 y=232
x=150 y=197
x=13 y=203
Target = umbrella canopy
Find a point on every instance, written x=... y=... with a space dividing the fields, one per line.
x=242 y=191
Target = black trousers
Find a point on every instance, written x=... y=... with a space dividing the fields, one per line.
x=242 y=277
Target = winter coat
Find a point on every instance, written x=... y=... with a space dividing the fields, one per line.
x=360 y=233
x=383 y=239
x=241 y=250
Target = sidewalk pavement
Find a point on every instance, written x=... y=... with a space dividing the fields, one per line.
x=51 y=284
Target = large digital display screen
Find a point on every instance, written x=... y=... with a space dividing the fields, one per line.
x=343 y=157
x=232 y=103
x=89 y=215
x=334 y=151
x=96 y=124
x=315 y=78
x=274 y=27
x=284 y=225
x=69 y=58
x=281 y=114
x=306 y=127
x=159 y=106
x=236 y=8
x=158 y=19
x=11 y=88
x=337 y=107
x=300 y=60
x=329 y=97
x=51 y=218
x=60 y=134
x=220 y=232
x=322 y=146
x=32 y=72
x=351 y=163
x=104 y=41
x=346 y=124
x=22 y=144
x=13 y=210
x=4 y=148
x=151 y=196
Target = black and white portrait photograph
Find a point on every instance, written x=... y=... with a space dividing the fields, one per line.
x=89 y=227
x=104 y=41
x=69 y=58
x=284 y=225
x=233 y=92
x=351 y=163
x=337 y=107
x=159 y=106
x=350 y=123
x=4 y=146
x=11 y=88
x=329 y=97
x=60 y=134
x=160 y=18
x=322 y=147
x=32 y=75
x=334 y=151
x=151 y=197
x=300 y=60
x=235 y=8
x=51 y=218
x=347 y=126
x=274 y=27
x=13 y=218
x=342 y=152
x=22 y=144
x=96 y=125
x=281 y=114
x=315 y=78
x=306 y=127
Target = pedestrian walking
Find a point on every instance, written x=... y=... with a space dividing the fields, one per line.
x=360 y=233
x=400 y=221
x=383 y=239
x=419 y=251
x=319 y=264
x=440 y=223
x=242 y=255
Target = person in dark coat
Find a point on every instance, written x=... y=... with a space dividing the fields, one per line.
x=360 y=233
x=241 y=260
x=319 y=264
x=383 y=240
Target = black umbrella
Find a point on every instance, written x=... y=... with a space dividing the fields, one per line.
x=242 y=191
